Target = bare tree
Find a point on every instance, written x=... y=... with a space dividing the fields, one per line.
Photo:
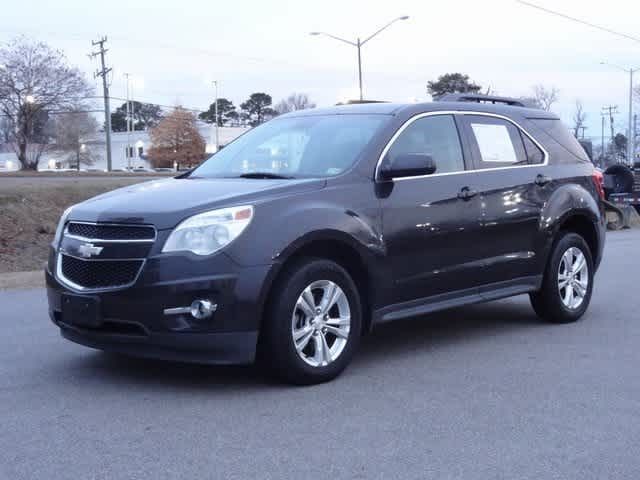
x=542 y=97
x=579 y=118
x=6 y=129
x=546 y=97
x=35 y=79
x=176 y=140
x=71 y=132
x=295 y=101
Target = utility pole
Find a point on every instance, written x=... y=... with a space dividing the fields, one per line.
x=582 y=129
x=103 y=72
x=635 y=136
x=602 y=144
x=630 y=134
x=129 y=114
x=609 y=111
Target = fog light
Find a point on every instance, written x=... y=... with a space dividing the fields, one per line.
x=202 y=309
x=199 y=309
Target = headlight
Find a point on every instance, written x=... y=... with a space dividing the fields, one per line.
x=208 y=232
x=60 y=229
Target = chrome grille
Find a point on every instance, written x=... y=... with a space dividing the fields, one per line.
x=116 y=255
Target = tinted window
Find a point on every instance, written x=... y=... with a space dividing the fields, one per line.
x=561 y=134
x=534 y=154
x=497 y=143
x=436 y=136
x=312 y=146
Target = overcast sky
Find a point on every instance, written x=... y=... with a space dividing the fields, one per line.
x=173 y=49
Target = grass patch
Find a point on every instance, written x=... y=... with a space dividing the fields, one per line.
x=29 y=214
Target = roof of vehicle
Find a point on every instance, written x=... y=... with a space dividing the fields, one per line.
x=380 y=108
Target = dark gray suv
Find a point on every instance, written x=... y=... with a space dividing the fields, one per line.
x=303 y=234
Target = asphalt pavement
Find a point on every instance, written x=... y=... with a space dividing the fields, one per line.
x=481 y=392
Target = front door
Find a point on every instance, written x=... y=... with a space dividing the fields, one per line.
x=429 y=221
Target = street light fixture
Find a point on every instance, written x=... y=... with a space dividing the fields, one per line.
x=631 y=141
x=359 y=43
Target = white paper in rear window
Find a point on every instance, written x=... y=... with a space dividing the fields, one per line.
x=495 y=143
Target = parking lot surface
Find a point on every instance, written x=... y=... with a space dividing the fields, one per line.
x=481 y=392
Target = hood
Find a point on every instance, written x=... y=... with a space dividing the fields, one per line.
x=165 y=203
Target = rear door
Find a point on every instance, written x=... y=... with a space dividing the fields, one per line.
x=427 y=226
x=513 y=189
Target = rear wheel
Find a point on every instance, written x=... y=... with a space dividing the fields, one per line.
x=568 y=281
x=313 y=324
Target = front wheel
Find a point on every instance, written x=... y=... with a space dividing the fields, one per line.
x=568 y=281
x=313 y=323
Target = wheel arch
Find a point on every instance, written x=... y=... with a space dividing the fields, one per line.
x=573 y=208
x=332 y=245
x=584 y=226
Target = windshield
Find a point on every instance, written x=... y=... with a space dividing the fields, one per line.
x=313 y=146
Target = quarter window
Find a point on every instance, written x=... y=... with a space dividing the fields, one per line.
x=436 y=136
x=535 y=156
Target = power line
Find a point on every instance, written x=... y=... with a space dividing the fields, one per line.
x=580 y=21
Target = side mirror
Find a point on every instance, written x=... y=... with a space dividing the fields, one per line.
x=408 y=165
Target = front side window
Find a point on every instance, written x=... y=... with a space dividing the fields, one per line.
x=295 y=147
x=436 y=136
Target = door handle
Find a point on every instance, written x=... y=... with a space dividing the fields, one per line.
x=466 y=193
x=542 y=180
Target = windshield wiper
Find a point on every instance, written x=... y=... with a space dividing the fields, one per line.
x=267 y=175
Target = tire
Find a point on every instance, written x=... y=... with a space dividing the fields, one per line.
x=289 y=314
x=555 y=304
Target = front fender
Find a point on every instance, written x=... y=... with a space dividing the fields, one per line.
x=343 y=212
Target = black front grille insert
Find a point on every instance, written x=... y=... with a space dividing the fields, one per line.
x=99 y=274
x=111 y=232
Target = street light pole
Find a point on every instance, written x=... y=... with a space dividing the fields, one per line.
x=359 y=69
x=359 y=43
x=215 y=110
x=631 y=140
x=632 y=137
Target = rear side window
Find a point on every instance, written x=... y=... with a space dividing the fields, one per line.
x=436 y=136
x=496 y=142
x=561 y=134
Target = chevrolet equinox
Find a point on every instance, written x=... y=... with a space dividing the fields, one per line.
x=304 y=233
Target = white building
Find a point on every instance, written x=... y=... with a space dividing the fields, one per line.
x=138 y=141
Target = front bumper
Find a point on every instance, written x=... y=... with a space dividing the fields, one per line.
x=134 y=323
x=213 y=348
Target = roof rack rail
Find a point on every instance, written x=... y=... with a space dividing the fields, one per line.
x=478 y=98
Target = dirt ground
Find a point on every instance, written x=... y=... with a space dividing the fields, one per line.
x=30 y=207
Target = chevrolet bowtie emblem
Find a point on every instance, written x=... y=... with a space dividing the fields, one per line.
x=88 y=250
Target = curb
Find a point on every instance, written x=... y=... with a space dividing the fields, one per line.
x=34 y=279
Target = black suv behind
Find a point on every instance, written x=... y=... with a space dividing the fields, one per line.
x=301 y=235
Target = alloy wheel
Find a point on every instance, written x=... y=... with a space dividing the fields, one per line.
x=573 y=278
x=320 y=323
